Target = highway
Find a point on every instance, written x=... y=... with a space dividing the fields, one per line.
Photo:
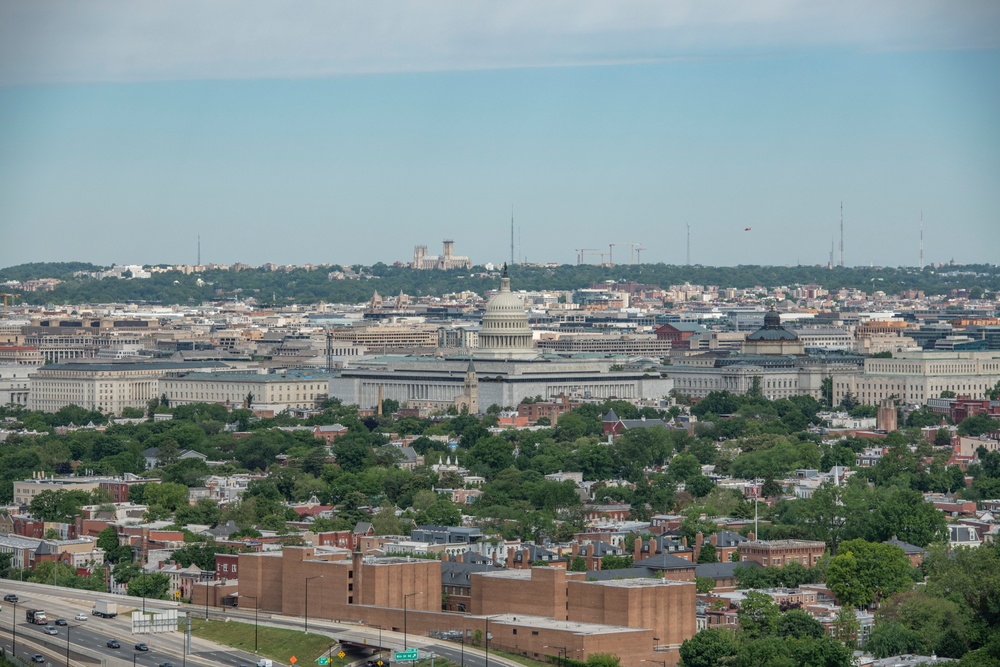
x=88 y=638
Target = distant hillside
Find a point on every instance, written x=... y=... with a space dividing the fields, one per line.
x=36 y=270
x=313 y=286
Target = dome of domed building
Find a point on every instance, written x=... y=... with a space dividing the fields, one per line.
x=773 y=338
x=505 y=333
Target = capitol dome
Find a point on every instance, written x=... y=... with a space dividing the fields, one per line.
x=505 y=333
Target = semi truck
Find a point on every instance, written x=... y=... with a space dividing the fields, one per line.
x=105 y=608
x=36 y=616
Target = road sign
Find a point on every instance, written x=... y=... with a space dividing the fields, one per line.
x=341 y=655
x=379 y=663
x=323 y=660
x=408 y=654
x=293 y=660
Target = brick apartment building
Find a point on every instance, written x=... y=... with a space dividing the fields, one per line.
x=782 y=552
x=550 y=409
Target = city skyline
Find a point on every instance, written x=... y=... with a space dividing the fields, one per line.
x=357 y=136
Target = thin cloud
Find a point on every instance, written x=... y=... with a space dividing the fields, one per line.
x=67 y=41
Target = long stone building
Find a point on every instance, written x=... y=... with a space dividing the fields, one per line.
x=915 y=376
x=273 y=391
x=108 y=387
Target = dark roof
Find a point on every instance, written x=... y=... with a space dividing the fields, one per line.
x=721 y=570
x=611 y=416
x=223 y=531
x=772 y=329
x=599 y=549
x=665 y=562
x=535 y=552
x=907 y=548
x=728 y=538
x=460 y=574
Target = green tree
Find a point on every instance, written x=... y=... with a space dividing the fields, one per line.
x=864 y=572
x=708 y=648
x=699 y=486
x=603 y=660
x=891 y=638
x=847 y=628
x=708 y=553
x=155 y=585
x=758 y=615
x=704 y=584
x=799 y=624
x=59 y=505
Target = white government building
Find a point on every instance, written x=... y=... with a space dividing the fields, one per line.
x=915 y=376
x=506 y=368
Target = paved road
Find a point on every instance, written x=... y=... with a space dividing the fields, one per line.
x=90 y=636
x=88 y=639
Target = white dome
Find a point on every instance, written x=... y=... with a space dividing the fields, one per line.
x=505 y=333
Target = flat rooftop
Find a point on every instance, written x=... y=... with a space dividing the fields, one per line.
x=555 y=624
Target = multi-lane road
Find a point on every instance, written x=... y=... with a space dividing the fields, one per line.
x=88 y=639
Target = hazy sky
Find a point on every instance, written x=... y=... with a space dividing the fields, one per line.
x=315 y=131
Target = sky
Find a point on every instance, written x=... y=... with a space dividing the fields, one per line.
x=309 y=131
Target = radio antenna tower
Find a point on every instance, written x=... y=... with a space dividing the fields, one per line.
x=199 y=249
x=921 y=240
x=841 y=233
x=830 y=263
x=512 y=235
x=689 y=245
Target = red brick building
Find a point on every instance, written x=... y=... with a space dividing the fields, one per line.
x=782 y=552
x=677 y=334
x=550 y=409
x=525 y=611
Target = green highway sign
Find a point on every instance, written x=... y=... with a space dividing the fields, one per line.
x=324 y=660
x=408 y=654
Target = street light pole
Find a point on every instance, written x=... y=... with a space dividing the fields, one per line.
x=308 y=579
x=406 y=596
x=486 y=639
x=255 y=610
x=68 y=628
x=563 y=653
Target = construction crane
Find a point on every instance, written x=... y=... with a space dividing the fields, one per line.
x=611 y=255
x=5 y=296
x=638 y=254
x=580 y=253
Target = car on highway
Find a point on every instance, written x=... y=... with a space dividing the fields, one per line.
x=81 y=616
x=141 y=647
x=113 y=643
x=166 y=664
x=50 y=630
x=61 y=622
x=10 y=597
x=38 y=657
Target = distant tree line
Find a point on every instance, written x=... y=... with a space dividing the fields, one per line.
x=302 y=286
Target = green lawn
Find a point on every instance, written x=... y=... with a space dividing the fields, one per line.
x=274 y=643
